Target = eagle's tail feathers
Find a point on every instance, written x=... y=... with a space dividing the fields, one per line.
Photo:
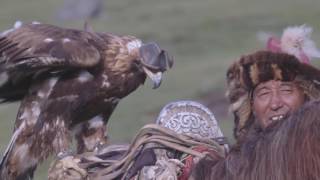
x=6 y=154
x=26 y=174
x=9 y=147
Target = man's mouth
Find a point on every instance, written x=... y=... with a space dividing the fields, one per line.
x=277 y=117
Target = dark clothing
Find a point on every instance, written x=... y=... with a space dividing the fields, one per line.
x=287 y=150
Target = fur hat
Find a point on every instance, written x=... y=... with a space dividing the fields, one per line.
x=245 y=74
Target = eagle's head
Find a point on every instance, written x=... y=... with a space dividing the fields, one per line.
x=150 y=59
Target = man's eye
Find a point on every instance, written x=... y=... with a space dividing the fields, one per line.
x=263 y=94
x=286 y=90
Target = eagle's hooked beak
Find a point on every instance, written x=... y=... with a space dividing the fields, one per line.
x=154 y=61
x=155 y=77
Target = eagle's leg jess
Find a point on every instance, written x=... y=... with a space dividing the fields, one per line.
x=91 y=134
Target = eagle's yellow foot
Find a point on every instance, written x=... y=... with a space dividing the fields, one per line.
x=67 y=168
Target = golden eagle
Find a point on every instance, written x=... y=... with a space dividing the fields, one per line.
x=68 y=81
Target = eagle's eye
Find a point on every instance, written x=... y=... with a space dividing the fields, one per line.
x=136 y=64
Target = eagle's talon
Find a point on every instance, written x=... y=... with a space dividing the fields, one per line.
x=64 y=154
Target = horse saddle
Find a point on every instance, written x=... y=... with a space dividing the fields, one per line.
x=184 y=132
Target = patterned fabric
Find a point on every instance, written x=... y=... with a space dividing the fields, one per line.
x=188 y=118
x=191 y=118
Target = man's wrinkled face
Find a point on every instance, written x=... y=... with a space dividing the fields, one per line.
x=274 y=100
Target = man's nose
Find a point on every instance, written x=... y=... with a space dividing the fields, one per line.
x=276 y=102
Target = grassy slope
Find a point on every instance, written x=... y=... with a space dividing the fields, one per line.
x=204 y=36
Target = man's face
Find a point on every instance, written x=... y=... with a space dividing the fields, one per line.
x=274 y=100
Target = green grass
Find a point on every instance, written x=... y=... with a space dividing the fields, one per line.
x=204 y=36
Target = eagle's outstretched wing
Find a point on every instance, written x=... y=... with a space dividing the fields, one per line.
x=34 y=49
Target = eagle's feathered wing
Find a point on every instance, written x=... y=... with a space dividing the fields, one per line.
x=66 y=79
x=33 y=49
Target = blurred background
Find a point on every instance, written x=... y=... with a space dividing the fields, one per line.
x=204 y=36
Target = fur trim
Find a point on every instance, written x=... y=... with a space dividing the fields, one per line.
x=244 y=75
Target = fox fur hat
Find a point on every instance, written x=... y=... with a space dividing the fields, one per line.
x=245 y=74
